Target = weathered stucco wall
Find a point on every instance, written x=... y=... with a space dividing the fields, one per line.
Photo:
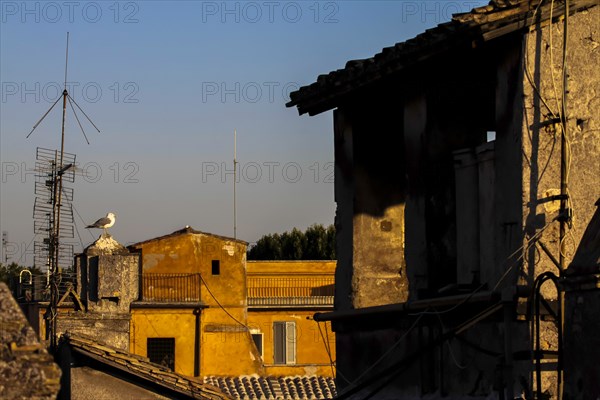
x=225 y=348
x=527 y=168
x=542 y=134
x=277 y=279
x=188 y=253
x=370 y=191
x=311 y=353
x=107 y=284
x=164 y=323
x=110 y=328
x=27 y=371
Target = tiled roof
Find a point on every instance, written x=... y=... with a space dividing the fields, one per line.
x=143 y=368
x=464 y=31
x=184 y=231
x=27 y=371
x=276 y=388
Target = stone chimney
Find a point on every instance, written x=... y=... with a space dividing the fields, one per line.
x=108 y=276
x=107 y=284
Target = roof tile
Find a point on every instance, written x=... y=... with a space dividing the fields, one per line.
x=275 y=388
x=143 y=368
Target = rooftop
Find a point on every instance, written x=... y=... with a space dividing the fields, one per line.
x=276 y=388
x=464 y=31
x=187 y=230
x=142 y=368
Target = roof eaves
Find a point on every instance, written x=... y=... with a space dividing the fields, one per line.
x=466 y=30
x=142 y=368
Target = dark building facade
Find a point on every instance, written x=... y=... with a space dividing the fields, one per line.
x=467 y=166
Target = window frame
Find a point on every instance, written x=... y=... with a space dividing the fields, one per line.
x=255 y=333
x=284 y=342
x=166 y=342
x=215 y=267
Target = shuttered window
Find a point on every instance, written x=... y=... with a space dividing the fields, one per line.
x=284 y=342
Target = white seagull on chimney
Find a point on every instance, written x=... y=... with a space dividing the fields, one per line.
x=105 y=222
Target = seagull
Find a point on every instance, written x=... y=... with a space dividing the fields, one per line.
x=104 y=223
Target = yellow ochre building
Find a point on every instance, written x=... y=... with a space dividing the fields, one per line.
x=205 y=311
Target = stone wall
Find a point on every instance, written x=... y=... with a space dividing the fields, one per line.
x=27 y=371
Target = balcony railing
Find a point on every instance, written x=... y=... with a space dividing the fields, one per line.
x=290 y=291
x=175 y=288
x=269 y=291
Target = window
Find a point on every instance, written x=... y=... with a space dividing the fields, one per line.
x=216 y=267
x=162 y=351
x=257 y=336
x=284 y=342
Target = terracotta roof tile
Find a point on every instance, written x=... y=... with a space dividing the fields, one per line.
x=275 y=388
x=143 y=368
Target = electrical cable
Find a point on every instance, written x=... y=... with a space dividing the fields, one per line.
x=530 y=242
x=356 y=382
x=328 y=350
x=223 y=308
x=450 y=350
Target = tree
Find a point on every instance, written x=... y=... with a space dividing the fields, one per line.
x=11 y=271
x=316 y=243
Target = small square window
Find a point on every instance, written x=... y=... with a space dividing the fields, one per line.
x=216 y=267
x=161 y=351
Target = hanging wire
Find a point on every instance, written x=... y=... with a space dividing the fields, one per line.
x=450 y=350
x=356 y=382
x=83 y=112
x=328 y=350
x=77 y=118
x=223 y=308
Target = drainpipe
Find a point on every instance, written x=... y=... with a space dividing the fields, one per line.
x=197 y=312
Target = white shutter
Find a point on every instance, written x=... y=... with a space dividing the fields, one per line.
x=290 y=342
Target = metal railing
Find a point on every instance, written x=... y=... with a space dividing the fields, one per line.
x=171 y=287
x=290 y=291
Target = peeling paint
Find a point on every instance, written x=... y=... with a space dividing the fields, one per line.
x=230 y=249
x=152 y=260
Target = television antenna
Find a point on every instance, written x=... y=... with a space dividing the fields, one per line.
x=56 y=167
x=234 y=183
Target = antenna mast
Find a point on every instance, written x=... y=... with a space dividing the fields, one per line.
x=234 y=182
x=48 y=209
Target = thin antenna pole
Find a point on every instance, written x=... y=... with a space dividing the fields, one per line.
x=234 y=182
x=55 y=242
x=67 y=60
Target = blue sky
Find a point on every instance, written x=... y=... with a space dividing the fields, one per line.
x=167 y=83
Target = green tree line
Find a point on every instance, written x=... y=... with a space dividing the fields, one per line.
x=11 y=271
x=315 y=243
